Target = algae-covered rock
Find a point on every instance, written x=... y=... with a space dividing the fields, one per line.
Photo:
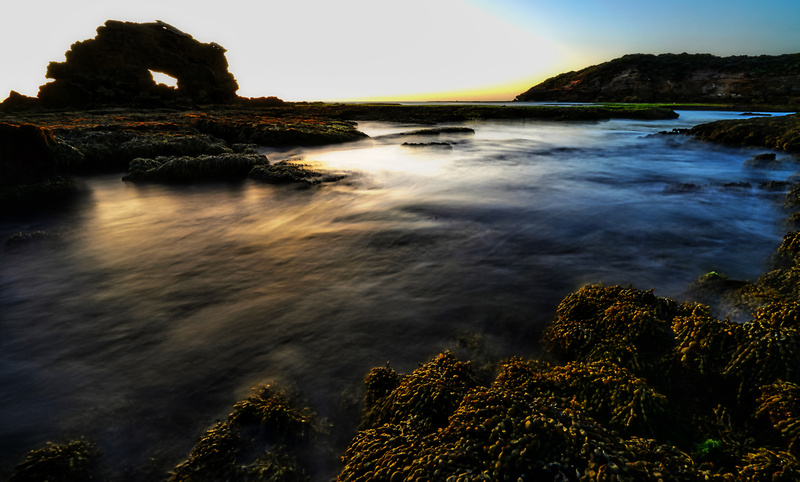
x=74 y=461
x=285 y=172
x=779 y=406
x=781 y=132
x=630 y=327
x=767 y=465
x=112 y=149
x=517 y=428
x=766 y=351
x=429 y=395
x=257 y=442
x=224 y=167
x=289 y=130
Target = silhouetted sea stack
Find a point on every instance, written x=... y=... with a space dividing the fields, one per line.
x=678 y=78
x=114 y=68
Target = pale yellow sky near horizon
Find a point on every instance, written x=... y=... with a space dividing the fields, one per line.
x=351 y=50
x=312 y=50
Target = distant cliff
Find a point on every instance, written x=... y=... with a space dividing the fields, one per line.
x=678 y=78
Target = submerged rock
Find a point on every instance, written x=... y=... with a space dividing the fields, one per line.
x=23 y=238
x=436 y=131
x=767 y=160
x=115 y=66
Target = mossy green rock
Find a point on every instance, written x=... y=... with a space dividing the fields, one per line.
x=224 y=167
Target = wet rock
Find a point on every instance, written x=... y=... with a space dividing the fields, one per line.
x=270 y=101
x=112 y=148
x=114 y=68
x=223 y=167
x=735 y=185
x=682 y=187
x=767 y=160
x=774 y=185
x=284 y=172
x=780 y=132
x=27 y=154
x=32 y=162
x=436 y=131
x=24 y=238
x=441 y=145
x=291 y=130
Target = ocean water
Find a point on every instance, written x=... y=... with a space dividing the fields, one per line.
x=157 y=307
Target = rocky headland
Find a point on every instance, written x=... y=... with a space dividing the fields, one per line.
x=114 y=68
x=684 y=78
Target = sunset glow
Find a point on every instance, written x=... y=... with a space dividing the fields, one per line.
x=413 y=50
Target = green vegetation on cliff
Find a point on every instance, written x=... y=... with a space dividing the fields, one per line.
x=678 y=78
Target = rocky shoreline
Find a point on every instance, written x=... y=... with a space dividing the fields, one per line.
x=632 y=387
x=45 y=148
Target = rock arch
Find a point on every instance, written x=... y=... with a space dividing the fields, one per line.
x=113 y=68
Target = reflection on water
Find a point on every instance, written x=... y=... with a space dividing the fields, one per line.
x=158 y=307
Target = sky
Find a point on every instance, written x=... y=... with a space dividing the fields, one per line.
x=380 y=50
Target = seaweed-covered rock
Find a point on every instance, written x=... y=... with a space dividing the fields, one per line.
x=512 y=430
x=765 y=352
x=779 y=404
x=114 y=68
x=74 y=461
x=290 y=130
x=630 y=327
x=202 y=168
x=112 y=148
x=790 y=246
x=781 y=132
x=767 y=465
x=255 y=442
x=429 y=395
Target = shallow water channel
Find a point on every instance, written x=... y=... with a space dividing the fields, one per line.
x=157 y=307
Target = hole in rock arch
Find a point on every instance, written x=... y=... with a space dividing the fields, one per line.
x=162 y=78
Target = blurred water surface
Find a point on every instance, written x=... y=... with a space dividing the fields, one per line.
x=160 y=306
